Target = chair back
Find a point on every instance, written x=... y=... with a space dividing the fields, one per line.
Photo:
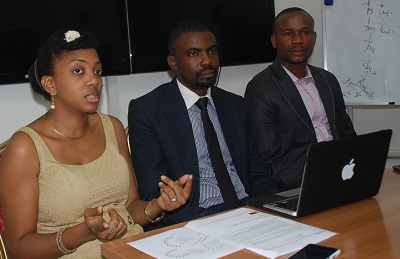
x=127 y=138
x=3 y=253
x=2 y=148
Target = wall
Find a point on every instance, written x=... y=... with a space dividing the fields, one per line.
x=19 y=105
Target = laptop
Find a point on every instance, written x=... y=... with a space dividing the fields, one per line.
x=336 y=173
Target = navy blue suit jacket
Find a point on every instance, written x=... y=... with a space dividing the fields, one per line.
x=162 y=143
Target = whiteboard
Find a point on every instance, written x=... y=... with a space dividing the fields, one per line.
x=362 y=49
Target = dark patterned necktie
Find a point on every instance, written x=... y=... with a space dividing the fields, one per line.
x=221 y=172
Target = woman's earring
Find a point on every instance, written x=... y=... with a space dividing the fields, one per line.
x=52 y=106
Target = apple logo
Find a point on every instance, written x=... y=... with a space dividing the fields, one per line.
x=347 y=171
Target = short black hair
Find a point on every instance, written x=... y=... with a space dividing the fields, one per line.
x=181 y=28
x=52 y=48
x=290 y=10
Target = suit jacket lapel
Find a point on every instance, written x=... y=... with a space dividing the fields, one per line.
x=292 y=96
x=181 y=128
x=226 y=120
x=325 y=94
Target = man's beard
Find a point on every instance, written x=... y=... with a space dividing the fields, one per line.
x=206 y=83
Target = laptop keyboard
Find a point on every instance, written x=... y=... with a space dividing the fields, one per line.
x=288 y=204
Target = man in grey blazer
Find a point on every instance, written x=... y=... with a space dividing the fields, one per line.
x=166 y=135
x=293 y=104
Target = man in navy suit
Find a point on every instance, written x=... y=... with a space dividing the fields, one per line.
x=167 y=137
x=292 y=104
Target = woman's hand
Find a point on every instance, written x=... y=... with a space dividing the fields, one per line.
x=174 y=194
x=102 y=229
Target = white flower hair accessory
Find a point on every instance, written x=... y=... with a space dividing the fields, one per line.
x=71 y=36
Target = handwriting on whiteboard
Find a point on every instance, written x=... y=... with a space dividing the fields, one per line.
x=376 y=27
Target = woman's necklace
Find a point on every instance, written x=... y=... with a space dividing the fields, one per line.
x=51 y=127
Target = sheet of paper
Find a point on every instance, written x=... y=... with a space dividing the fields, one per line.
x=223 y=234
x=183 y=243
x=260 y=232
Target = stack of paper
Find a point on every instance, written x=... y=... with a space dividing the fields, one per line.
x=226 y=233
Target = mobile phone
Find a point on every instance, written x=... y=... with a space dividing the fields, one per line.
x=313 y=251
x=396 y=168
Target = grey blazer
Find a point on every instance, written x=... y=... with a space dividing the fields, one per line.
x=283 y=128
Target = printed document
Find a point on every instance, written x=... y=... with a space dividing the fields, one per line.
x=226 y=233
